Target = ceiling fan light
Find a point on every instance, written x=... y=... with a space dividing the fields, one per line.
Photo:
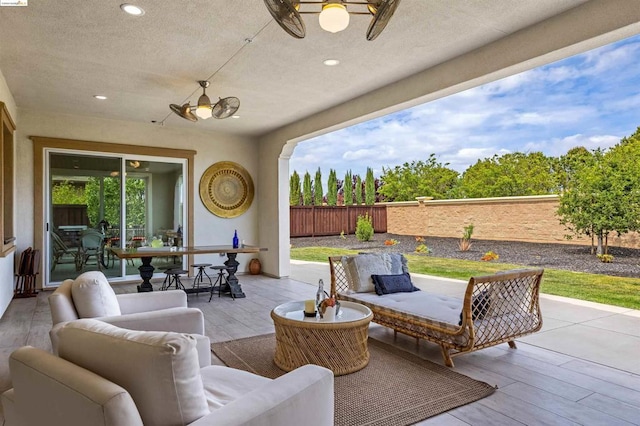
x=334 y=17
x=203 y=109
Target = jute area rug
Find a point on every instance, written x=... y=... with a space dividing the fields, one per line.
x=396 y=388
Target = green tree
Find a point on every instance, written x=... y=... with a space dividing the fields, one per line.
x=348 y=189
x=332 y=188
x=418 y=178
x=307 y=196
x=135 y=199
x=603 y=194
x=294 y=189
x=318 y=194
x=566 y=165
x=369 y=188
x=509 y=175
x=67 y=193
x=357 y=190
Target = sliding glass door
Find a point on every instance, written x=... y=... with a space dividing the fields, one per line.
x=98 y=201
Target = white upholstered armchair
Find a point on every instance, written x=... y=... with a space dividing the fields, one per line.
x=109 y=376
x=91 y=296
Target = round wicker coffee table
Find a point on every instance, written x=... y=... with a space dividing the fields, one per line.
x=339 y=345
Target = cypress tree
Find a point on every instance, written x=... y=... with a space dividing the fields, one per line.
x=348 y=189
x=318 y=195
x=306 y=190
x=369 y=188
x=294 y=189
x=358 y=190
x=332 y=188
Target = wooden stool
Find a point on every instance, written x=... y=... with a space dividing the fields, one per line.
x=220 y=280
x=200 y=275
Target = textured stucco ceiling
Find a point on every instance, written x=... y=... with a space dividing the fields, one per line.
x=55 y=55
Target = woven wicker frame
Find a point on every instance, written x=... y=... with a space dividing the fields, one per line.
x=341 y=346
x=506 y=305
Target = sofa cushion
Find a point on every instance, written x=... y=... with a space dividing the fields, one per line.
x=160 y=370
x=223 y=385
x=359 y=269
x=395 y=283
x=93 y=296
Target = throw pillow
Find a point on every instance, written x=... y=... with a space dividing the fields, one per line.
x=398 y=263
x=360 y=268
x=93 y=296
x=397 y=283
x=480 y=305
x=160 y=370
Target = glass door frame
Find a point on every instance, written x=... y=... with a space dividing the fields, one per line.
x=43 y=145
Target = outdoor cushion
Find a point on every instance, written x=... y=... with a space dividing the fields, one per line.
x=160 y=370
x=93 y=296
x=396 y=283
x=398 y=263
x=360 y=268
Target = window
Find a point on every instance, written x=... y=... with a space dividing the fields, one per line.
x=7 y=237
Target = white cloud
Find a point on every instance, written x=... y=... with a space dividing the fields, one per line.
x=589 y=100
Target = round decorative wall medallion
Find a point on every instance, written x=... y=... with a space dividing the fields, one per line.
x=226 y=189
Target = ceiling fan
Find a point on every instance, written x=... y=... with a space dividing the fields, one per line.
x=224 y=108
x=333 y=17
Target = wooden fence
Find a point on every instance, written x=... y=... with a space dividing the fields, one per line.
x=311 y=221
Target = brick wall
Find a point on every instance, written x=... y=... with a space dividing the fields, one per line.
x=530 y=219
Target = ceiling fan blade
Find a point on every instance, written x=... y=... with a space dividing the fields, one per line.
x=183 y=111
x=286 y=15
x=225 y=108
x=384 y=12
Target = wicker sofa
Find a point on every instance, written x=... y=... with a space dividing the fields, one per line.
x=495 y=309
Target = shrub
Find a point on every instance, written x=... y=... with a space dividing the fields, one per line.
x=605 y=258
x=489 y=256
x=342 y=235
x=468 y=231
x=364 y=228
x=465 y=241
x=419 y=239
x=390 y=242
x=422 y=248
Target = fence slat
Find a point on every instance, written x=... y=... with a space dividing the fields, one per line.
x=311 y=221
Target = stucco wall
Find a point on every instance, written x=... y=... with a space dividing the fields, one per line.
x=530 y=219
x=211 y=147
x=7 y=263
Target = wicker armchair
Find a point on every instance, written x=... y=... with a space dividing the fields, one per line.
x=496 y=309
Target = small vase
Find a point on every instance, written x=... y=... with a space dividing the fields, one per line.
x=254 y=266
x=329 y=313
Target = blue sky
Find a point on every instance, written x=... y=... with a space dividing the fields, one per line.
x=590 y=100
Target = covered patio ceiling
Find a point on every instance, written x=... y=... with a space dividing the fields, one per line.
x=56 y=55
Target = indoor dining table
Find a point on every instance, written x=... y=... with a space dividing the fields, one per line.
x=146 y=254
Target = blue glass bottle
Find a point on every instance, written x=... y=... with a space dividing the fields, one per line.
x=235 y=239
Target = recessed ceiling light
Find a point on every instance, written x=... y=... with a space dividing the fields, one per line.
x=235 y=116
x=331 y=62
x=101 y=97
x=132 y=9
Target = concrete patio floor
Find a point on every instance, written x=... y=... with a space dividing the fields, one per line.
x=582 y=368
x=603 y=334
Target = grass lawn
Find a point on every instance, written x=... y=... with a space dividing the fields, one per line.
x=617 y=291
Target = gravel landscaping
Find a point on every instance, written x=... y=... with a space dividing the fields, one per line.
x=626 y=262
